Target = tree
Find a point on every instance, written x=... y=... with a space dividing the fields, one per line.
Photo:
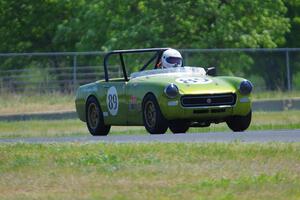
x=181 y=24
x=54 y=25
x=79 y=25
x=293 y=39
x=30 y=25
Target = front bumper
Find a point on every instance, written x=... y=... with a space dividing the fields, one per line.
x=174 y=110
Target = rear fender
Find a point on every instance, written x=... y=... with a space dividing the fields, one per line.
x=82 y=95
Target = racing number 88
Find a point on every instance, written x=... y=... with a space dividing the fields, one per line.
x=112 y=101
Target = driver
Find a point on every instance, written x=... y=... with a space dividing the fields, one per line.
x=171 y=58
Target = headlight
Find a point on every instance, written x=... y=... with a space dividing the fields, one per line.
x=246 y=87
x=171 y=90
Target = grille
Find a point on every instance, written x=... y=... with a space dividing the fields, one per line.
x=208 y=100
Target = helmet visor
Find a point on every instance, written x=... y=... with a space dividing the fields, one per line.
x=174 y=60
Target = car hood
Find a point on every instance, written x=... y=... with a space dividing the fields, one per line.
x=192 y=84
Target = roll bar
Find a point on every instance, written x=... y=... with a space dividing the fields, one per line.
x=156 y=56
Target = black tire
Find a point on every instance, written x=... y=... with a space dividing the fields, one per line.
x=239 y=123
x=179 y=126
x=154 y=121
x=94 y=118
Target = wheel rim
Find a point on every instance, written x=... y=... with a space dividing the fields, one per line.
x=150 y=114
x=93 y=115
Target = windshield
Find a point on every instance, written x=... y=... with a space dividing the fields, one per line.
x=174 y=70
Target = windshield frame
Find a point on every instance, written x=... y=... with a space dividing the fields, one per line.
x=169 y=71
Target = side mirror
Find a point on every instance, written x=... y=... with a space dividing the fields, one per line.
x=211 y=71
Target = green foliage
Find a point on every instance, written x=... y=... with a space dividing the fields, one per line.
x=296 y=81
x=189 y=24
x=294 y=16
x=30 y=25
x=293 y=38
x=53 y=25
x=81 y=25
x=37 y=76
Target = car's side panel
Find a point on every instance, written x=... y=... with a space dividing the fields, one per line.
x=79 y=105
x=111 y=97
x=83 y=93
x=136 y=91
x=134 y=99
x=113 y=103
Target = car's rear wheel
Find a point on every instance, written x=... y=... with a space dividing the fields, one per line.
x=154 y=121
x=179 y=126
x=239 y=123
x=94 y=118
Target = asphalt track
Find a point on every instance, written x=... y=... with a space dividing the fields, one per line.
x=218 y=137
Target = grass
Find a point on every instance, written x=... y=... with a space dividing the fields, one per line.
x=58 y=128
x=56 y=102
x=275 y=95
x=150 y=171
x=17 y=104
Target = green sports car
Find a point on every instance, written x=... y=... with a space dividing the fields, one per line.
x=175 y=98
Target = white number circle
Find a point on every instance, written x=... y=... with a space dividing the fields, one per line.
x=194 y=80
x=112 y=100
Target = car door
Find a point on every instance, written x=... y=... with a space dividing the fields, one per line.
x=134 y=100
x=115 y=104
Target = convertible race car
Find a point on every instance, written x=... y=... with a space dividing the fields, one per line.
x=160 y=98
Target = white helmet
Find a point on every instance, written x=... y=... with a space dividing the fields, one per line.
x=171 y=58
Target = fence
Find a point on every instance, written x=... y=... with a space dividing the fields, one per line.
x=268 y=69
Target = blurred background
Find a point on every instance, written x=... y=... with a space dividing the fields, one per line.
x=268 y=69
x=54 y=46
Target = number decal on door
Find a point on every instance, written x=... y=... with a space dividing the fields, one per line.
x=112 y=100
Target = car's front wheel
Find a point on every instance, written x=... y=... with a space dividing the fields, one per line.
x=179 y=126
x=239 y=123
x=154 y=121
x=94 y=118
